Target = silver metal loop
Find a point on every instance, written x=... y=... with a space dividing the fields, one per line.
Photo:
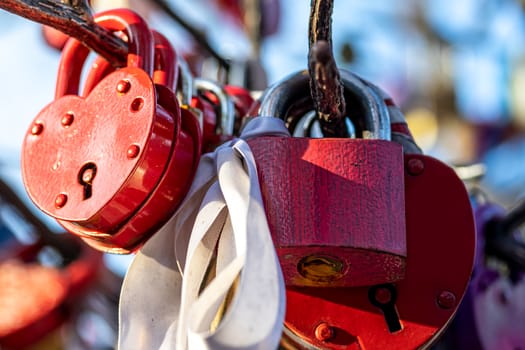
x=308 y=126
x=278 y=98
x=186 y=82
x=227 y=109
x=303 y=127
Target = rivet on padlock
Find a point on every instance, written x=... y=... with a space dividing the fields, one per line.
x=335 y=206
x=129 y=150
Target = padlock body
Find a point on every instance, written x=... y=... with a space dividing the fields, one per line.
x=123 y=138
x=335 y=208
x=164 y=198
x=441 y=245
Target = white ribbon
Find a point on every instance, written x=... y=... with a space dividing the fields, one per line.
x=221 y=222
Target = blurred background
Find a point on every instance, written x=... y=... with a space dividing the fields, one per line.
x=456 y=68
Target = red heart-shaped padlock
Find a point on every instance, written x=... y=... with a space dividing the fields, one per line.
x=107 y=156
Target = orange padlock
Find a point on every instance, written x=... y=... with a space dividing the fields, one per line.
x=108 y=155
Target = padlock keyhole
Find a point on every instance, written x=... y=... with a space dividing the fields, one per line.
x=85 y=179
x=384 y=297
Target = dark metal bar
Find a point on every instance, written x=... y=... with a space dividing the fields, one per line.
x=75 y=19
x=325 y=83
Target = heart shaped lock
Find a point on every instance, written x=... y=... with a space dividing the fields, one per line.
x=103 y=156
x=179 y=171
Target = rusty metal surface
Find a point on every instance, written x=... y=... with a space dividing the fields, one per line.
x=73 y=18
x=325 y=84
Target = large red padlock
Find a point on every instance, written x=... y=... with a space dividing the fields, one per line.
x=407 y=312
x=110 y=158
x=174 y=183
x=413 y=312
x=335 y=206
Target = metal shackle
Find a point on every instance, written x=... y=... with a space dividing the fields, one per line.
x=166 y=67
x=308 y=126
x=227 y=109
x=280 y=97
x=74 y=53
x=185 y=88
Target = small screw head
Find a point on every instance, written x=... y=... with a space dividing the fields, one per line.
x=415 y=166
x=446 y=300
x=60 y=200
x=324 y=332
x=123 y=86
x=37 y=128
x=383 y=295
x=133 y=151
x=67 y=119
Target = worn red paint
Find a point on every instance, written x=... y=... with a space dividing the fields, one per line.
x=136 y=188
x=440 y=239
x=341 y=200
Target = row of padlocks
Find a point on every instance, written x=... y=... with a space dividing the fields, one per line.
x=257 y=221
